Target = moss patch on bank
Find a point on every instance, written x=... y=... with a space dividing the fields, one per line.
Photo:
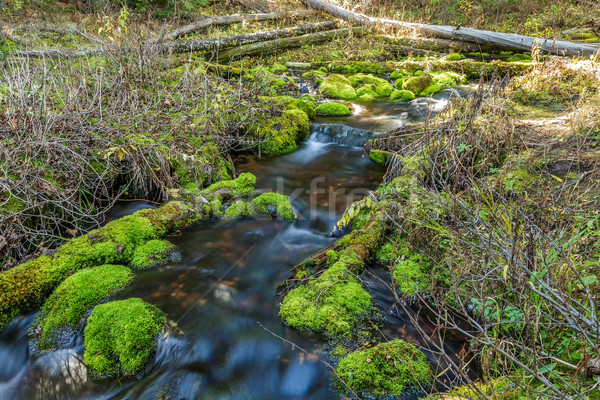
x=151 y=253
x=77 y=294
x=120 y=337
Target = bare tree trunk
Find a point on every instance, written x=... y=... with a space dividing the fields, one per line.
x=240 y=40
x=501 y=41
x=209 y=45
x=234 y=19
x=297 y=41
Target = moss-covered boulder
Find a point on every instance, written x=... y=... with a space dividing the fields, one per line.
x=398 y=74
x=519 y=58
x=337 y=87
x=276 y=205
x=402 y=95
x=243 y=185
x=280 y=135
x=79 y=293
x=453 y=57
x=305 y=104
x=151 y=253
x=431 y=89
x=120 y=337
x=333 y=110
x=332 y=303
x=417 y=84
x=314 y=74
x=448 y=79
x=379 y=156
x=377 y=87
x=387 y=369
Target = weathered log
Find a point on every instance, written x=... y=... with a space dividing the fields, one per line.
x=234 y=19
x=436 y=45
x=297 y=41
x=209 y=45
x=240 y=40
x=504 y=41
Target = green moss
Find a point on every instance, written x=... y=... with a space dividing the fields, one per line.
x=398 y=74
x=24 y=287
x=243 y=185
x=333 y=109
x=519 y=57
x=151 y=253
x=378 y=86
x=305 y=104
x=280 y=135
x=378 y=156
x=429 y=90
x=398 y=83
x=76 y=295
x=412 y=274
x=278 y=68
x=417 y=84
x=312 y=74
x=120 y=337
x=402 y=95
x=337 y=87
x=386 y=369
x=366 y=92
x=453 y=57
x=241 y=209
x=332 y=303
x=274 y=204
x=448 y=79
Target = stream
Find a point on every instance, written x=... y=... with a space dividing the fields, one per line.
x=221 y=291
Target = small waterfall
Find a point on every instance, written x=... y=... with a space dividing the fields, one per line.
x=340 y=133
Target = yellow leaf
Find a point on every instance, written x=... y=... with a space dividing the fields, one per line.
x=557 y=178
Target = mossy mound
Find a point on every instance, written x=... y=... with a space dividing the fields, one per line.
x=519 y=58
x=243 y=185
x=332 y=303
x=398 y=74
x=417 y=84
x=402 y=95
x=337 y=87
x=333 y=110
x=272 y=204
x=151 y=253
x=275 y=204
x=120 y=337
x=305 y=104
x=379 y=156
x=76 y=295
x=448 y=79
x=377 y=87
x=453 y=57
x=313 y=74
x=280 y=135
x=586 y=35
x=429 y=90
x=203 y=166
x=386 y=369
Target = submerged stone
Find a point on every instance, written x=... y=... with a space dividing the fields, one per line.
x=386 y=369
x=120 y=337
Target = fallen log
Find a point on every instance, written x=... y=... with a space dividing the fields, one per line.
x=214 y=45
x=435 y=45
x=209 y=45
x=235 y=19
x=297 y=41
x=501 y=41
x=261 y=6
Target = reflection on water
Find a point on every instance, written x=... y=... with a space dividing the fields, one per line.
x=221 y=296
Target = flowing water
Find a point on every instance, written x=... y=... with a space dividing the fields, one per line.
x=221 y=292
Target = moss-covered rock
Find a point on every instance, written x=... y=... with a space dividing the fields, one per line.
x=332 y=303
x=26 y=286
x=398 y=74
x=333 y=110
x=241 y=209
x=274 y=204
x=77 y=294
x=378 y=87
x=280 y=135
x=379 y=156
x=120 y=337
x=305 y=104
x=386 y=369
x=417 y=84
x=337 y=87
x=151 y=253
x=402 y=95
x=313 y=74
x=243 y=185
x=429 y=90
x=448 y=79
x=519 y=58
x=453 y=57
